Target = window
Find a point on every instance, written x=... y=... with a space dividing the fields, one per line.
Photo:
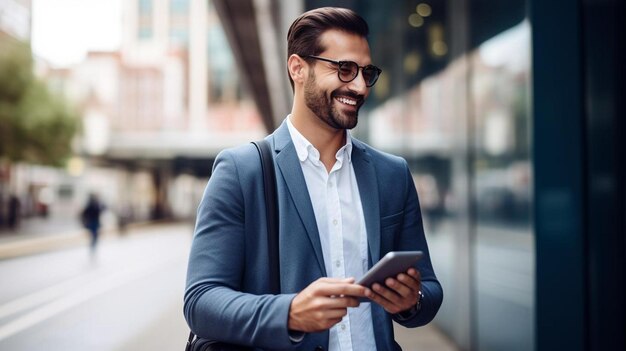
x=179 y=6
x=145 y=7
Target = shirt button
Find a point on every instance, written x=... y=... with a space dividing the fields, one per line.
x=330 y=184
x=335 y=222
x=343 y=327
x=338 y=263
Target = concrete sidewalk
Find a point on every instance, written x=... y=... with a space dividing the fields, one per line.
x=426 y=338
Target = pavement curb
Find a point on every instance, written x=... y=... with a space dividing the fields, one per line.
x=30 y=246
x=76 y=237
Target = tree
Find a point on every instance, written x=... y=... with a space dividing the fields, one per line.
x=36 y=125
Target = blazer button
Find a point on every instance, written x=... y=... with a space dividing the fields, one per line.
x=319 y=348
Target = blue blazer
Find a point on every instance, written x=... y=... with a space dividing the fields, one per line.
x=226 y=295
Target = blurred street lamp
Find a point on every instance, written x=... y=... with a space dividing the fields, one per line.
x=415 y=20
x=424 y=10
x=75 y=166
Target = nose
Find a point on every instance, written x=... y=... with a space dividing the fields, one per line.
x=357 y=85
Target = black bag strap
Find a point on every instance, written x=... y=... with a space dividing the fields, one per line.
x=189 y=341
x=271 y=205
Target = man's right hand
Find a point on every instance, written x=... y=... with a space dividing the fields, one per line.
x=323 y=304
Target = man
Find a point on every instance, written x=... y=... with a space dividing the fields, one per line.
x=90 y=217
x=343 y=205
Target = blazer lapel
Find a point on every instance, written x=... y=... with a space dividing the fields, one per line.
x=291 y=172
x=368 y=189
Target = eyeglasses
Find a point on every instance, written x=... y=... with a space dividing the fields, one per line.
x=349 y=70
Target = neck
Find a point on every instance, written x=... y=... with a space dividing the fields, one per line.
x=325 y=139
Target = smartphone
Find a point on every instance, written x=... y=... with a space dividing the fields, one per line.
x=392 y=264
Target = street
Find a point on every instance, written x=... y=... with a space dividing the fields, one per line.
x=127 y=297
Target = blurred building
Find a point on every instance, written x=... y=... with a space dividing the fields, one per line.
x=160 y=109
x=509 y=114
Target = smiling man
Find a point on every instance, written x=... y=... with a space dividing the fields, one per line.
x=343 y=205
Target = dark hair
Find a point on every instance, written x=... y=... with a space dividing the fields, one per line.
x=303 y=37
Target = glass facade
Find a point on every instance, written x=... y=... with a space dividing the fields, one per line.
x=179 y=6
x=145 y=29
x=145 y=6
x=454 y=101
x=179 y=28
x=503 y=255
x=224 y=84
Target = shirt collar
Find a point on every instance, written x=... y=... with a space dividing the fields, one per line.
x=305 y=149
x=347 y=149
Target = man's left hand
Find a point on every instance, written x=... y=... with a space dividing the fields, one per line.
x=399 y=294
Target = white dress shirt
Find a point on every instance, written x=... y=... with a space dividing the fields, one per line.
x=339 y=215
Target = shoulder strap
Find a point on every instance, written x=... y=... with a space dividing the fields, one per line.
x=271 y=204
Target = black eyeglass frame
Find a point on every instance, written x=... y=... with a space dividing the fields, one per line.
x=359 y=68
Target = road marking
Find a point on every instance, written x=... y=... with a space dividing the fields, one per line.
x=98 y=287
x=45 y=295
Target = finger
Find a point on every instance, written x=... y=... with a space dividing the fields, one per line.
x=339 y=289
x=391 y=302
x=340 y=302
x=335 y=313
x=379 y=299
x=386 y=293
x=336 y=280
x=414 y=273
x=343 y=302
x=399 y=288
x=409 y=281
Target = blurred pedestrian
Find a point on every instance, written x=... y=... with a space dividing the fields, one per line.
x=124 y=217
x=90 y=217
x=13 y=217
x=343 y=206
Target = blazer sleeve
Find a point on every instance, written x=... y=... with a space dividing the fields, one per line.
x=214 y=306
x=412 y=238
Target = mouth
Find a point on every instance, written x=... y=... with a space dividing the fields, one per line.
x=346 y=101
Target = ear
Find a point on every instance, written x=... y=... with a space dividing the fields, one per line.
x=297 y=68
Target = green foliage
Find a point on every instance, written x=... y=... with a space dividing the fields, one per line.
x=35 y=125
x=16 y=70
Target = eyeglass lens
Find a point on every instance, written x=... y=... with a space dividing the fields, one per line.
x=348 y=70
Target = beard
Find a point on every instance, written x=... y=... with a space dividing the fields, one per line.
x=322 y=105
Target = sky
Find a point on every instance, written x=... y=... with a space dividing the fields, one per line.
x=64 y=30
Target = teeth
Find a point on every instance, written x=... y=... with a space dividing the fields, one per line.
x=347 y=101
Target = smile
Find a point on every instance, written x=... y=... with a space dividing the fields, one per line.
x=346 y=101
